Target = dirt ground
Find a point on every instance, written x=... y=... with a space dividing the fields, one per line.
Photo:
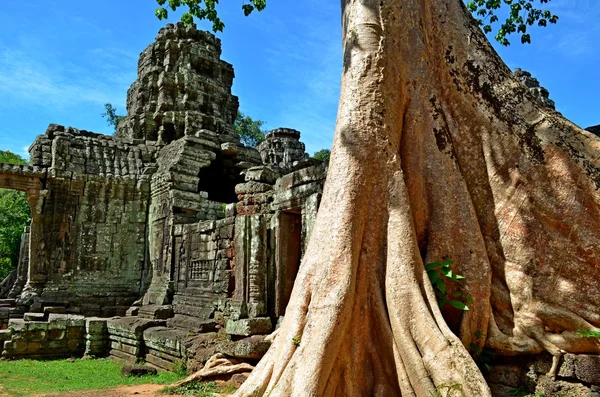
x=125 y=391
x=149 y=390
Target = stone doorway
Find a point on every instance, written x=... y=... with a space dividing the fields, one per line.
x=288 y=255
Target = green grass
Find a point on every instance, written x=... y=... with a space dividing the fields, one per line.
x=199 y=389
x=29 y=377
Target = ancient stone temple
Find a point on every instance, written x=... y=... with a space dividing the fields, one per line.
x=172 y=241
x=170 y=228
x=541 y=93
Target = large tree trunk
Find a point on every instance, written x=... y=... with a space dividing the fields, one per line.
x=438 y=153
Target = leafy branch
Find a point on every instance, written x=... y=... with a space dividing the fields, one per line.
x=522 y=14
x=439 y=273
x=203 y=9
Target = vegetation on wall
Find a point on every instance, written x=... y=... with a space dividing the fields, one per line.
x=111 y=116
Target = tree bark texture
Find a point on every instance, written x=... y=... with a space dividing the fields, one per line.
x=439 y=153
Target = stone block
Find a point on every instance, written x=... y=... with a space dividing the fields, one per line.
x=34 y=317
x=123 y=357
x=75 y=344
x=55 y=310
x=587 y=368
x=132 y=350
x=549 y=387
x=95 y=326
x=34 y=347
x=72 y=320
x=57 y=344
x=253 y=348
x=56 y=334
x=37 y=335
x=159 y=312
x=261 y=174
x=159 y=362
x=132 y=327
x=17 y=325
x=38 y=326
x=138 y=370
x=249 y=326
x=509 y=375
x=75 y=333
x=132 y=311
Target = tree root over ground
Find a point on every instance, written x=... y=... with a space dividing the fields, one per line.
x=216 y=366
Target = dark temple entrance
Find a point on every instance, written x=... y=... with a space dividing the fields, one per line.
x=287 y=257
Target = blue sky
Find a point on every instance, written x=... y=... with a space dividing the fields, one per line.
x=61 y=60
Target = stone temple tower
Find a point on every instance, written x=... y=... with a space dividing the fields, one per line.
x=183 y=87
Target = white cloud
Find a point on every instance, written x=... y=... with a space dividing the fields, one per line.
x=57 y=84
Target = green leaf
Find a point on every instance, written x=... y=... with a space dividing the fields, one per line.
x=446 y=271
x=162 y=13
x=589 y=334
x=441 y=287
x=478 y=335
x=432 y=265
x=459 y=305
x=248 y=8
x=433 y=276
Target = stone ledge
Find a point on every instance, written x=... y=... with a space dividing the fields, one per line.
x=249 y=326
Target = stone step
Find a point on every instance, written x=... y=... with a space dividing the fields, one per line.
x=35 y=317
x=55 y=310
x=10 y=302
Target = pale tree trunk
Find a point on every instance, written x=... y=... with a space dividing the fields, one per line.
x=439 y=153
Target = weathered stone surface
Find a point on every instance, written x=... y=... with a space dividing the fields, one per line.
x=249 y=326
x=182 y=88
x=534 y=86
x=282 y=148
x=253 y=348
x=158 y=312
x=131 y=327
x=508 y=375
x=262 y=174
x=138 y=370
x=587 y=368
x=548 y=387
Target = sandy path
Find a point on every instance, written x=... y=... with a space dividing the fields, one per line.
x=125 y=391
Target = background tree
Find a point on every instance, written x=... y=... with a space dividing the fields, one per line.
x=14 y=216
x=322 y=155
x=110 y=113
x=521 y=14
x=439 y=153
x=249 y=130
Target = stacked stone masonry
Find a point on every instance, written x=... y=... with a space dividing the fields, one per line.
x=167 y=230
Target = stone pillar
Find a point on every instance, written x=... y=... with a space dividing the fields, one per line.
x=23 y=265
x=36 y=270
x=251 y=263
